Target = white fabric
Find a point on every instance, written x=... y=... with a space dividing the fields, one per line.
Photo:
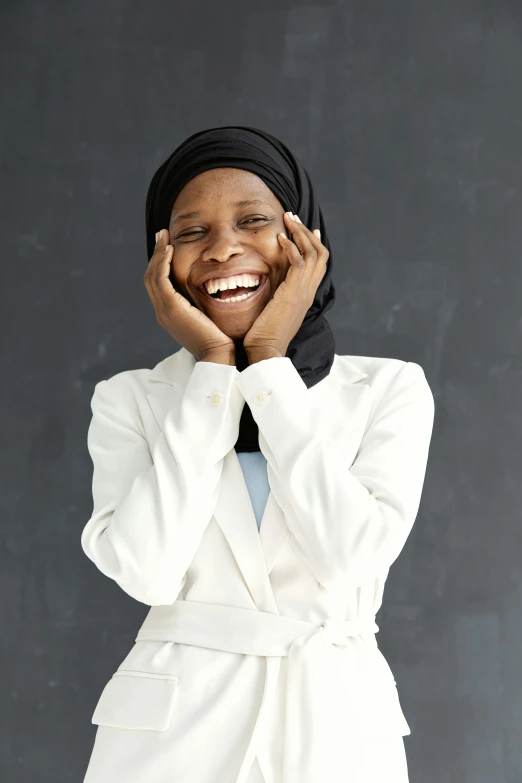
x=257 y=643
x=314 y=676
x=256 y=775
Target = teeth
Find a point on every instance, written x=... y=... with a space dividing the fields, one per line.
x=237 y=298
x=238 y=281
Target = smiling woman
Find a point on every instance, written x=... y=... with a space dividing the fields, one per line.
x=253 y=489
x=226 y=238
x=223 y=202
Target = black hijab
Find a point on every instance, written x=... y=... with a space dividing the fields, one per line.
x=233 y=146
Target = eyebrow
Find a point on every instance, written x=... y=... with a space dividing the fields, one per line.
x=245 y=203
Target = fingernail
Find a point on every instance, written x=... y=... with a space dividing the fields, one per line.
x=296 y=217
x=290 y=215
x=157 y=235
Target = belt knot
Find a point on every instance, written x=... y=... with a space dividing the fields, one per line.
x=339 y=633
x=336 y=633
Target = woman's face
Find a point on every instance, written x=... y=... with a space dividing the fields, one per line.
x=223 y=238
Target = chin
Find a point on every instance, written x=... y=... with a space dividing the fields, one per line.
x=235 y=332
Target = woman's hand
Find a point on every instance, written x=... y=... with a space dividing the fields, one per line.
x=280 y=320
x=185 y=323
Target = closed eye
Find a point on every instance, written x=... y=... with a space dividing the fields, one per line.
x=189 y=233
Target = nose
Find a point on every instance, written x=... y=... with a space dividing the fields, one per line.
x=222 y=243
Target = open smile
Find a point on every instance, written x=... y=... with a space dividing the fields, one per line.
x=249 y=299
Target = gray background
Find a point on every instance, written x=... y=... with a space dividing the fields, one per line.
x=408 y=117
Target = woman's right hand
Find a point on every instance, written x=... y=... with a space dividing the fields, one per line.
x=189 y=326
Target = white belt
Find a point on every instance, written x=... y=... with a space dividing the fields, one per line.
x=253 y=632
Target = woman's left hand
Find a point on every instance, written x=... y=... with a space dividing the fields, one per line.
x=280 y=320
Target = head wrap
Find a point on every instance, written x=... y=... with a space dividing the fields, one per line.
x=312 y=349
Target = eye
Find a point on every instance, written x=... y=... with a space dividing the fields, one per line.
x=190 y=233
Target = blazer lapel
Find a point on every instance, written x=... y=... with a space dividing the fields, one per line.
x=235 y=515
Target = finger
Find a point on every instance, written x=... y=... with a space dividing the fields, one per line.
x=162 y=241
x=310 y=234
x=292 y=251
x=296 y=224
x=157 y=276
x=322 y=251
x=316 y=262
x=156 y=257
x=157 y=247
x=308 y=244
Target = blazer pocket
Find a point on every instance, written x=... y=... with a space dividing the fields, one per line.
x=137 y=700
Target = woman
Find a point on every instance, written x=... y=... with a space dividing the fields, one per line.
x=257 y=661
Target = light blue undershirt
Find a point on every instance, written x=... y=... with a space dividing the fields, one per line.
x=253 y=465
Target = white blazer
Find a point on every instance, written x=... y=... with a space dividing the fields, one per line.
x=259 y=644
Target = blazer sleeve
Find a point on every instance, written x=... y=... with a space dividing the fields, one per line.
x=151 y=506
x=348 y=522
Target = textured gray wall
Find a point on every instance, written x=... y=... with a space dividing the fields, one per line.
x=408 y=116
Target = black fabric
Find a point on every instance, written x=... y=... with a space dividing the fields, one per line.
x=312 y=349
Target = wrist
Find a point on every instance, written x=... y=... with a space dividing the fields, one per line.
x=220 y=357
x=259 y=354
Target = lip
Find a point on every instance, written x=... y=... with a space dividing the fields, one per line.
x=222 y=303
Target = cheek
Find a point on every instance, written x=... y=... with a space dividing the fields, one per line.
x=181 y=264
x=272 y=249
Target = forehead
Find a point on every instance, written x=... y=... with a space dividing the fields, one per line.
x=229 y=185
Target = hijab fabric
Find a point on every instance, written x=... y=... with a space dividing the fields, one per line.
x=312 y=349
